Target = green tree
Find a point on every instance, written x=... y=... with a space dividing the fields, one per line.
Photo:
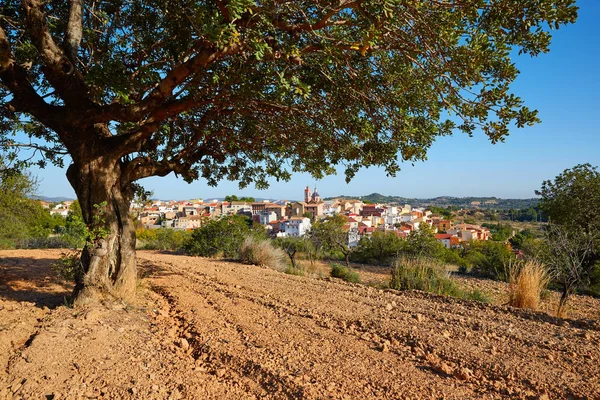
x=422 y=243
x=22 y=218
x=572 y=199
x=331 y=234
x=571 y=203
x=229 y=89
x=380 y=247
x=219 y=236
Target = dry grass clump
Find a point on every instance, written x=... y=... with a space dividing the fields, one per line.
x=262 y=252
x=526 y=282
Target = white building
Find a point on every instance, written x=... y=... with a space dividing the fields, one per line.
x=296 y=226
x=266 y=217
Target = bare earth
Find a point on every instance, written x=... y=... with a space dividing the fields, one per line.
x=203 y=329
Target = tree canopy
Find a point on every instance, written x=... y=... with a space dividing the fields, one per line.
x=225 y=89
x=572 y=199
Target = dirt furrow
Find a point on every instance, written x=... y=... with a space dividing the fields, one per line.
x=479 y=349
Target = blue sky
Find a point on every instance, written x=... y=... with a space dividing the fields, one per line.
x=562 y=85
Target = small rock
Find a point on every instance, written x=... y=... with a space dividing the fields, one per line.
x=464 y=374
x=184 y=344
x=389 y=307
x=445 y=368
x=543 y=397
x=121 y=330
x=419 y=317
x=221 y=372
x=385 y=347
x=155 y=388
x=550 y=357
x=133 y=390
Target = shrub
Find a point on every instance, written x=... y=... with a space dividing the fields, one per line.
x=429 y=275
x=258 y=251
x=293 y=271
x=422 y=274
x=68 y=267
x=224 y=235
x=490 y=258
x=162 y=239
x=527 y=280
x=379 y=248
x=344 y=273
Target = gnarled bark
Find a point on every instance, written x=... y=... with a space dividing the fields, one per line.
x=109 y=266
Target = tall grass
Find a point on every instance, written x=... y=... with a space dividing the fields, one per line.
x=526 y=282
x=344 y=273
x=422 y=274
x=258 y=251
x=430 y=276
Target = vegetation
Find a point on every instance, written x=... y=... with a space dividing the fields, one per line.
x=379 y=248
x=426 y=274
x=420 y=273
x=572 y=203
x=292 y=246
x=331 y=235
x=422 y=243
x=259 y=251
x=222 y=236
x=369 y=82
x=23 y=220
x=68 y=266
x=233 y=197
x=527 y=281
x=163 y=239
x=487 y=258
x=345 y=273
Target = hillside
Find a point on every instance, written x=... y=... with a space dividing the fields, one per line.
x=205 y=329
x=445 y=201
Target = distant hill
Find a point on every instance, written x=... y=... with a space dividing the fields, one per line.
x=445 y=201
x=52 y=199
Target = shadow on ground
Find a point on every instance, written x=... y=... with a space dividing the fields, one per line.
x=32 y=280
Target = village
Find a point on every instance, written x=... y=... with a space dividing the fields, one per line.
x=283 y=218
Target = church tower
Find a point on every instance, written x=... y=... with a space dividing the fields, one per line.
x=307 y=195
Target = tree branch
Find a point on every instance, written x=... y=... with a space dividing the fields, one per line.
x=59 y=70
x=74 y=28
x=25 y=97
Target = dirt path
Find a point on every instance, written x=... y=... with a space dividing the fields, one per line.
x=214 y=329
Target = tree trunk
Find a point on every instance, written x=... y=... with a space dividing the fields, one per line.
x=108 y=259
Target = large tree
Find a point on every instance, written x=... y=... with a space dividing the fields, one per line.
x=232 y=88
x=572 y=204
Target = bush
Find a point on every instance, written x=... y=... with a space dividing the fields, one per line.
x=527 y=280
x=162 y=239
x=344 y=273
x=219 y=236
x=490 y=259
x=68 y=267
x=422 y=274
x=379 y=248
x=258 y=251
x=293 y=271
x=429 y=275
